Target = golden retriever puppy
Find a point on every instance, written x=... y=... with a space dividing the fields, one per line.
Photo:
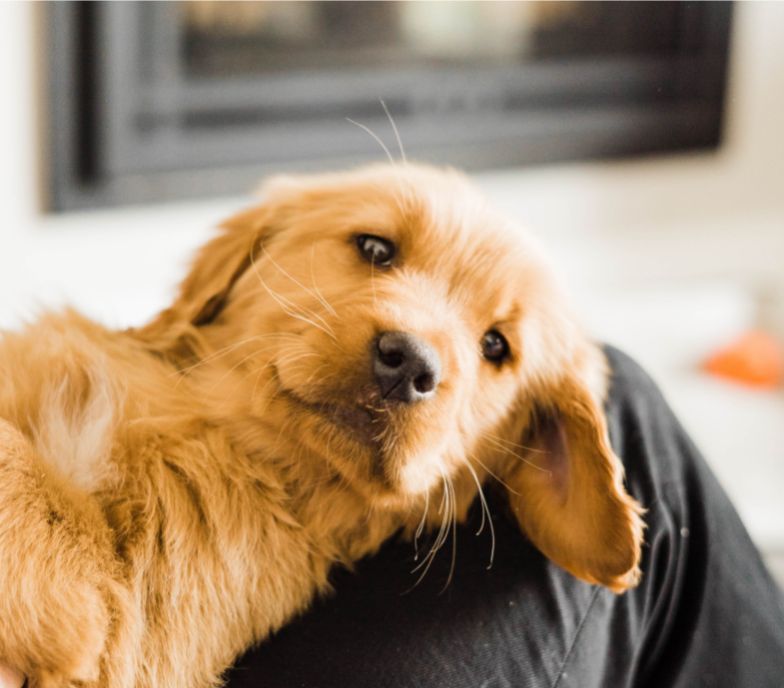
x=349 y=359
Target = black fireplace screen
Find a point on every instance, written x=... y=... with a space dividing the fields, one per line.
x=154 y=101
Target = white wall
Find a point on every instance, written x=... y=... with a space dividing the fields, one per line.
x=667 y=255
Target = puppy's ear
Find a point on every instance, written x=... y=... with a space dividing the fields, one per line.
x=222 y=261
x=206 y=288
x=218 y=266
x=568 y=494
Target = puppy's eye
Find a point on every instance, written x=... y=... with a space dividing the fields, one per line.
x=376 y=249
x=495 y=348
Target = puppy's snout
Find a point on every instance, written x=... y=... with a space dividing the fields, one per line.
x=406 y=368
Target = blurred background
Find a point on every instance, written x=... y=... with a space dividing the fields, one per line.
x=642 y=142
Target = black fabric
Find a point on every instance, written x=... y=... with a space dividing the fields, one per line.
x=706 y=613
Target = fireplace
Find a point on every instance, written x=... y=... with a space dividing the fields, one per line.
x=157 y=101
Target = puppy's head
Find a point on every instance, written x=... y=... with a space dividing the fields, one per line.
x=393 y=326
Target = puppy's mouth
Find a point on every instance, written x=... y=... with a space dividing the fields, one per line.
x=360 y=420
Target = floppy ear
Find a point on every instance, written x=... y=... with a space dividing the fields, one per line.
x=568 y=494
x=206 y=288
x=218 y=266
x=222 y=261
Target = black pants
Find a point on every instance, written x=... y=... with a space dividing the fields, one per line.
x=706 y=613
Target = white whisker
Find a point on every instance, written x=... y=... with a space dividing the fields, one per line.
x=375 y=136
x=517 y=456
x=494 y=475
x=373 y=280
x=289 y=309
x=297 y=282
x=394 y=129
x=453 y=520
x=223 y=351
x=319 y=295
x=427 y=561
x=399 y=196
x=421 y=526
x=485 y=510
x=504 y=441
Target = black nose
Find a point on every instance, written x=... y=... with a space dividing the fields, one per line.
x=406 y=368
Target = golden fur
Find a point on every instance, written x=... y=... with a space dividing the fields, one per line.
x=171 y=495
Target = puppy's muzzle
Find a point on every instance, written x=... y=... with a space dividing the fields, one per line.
x=406 y=368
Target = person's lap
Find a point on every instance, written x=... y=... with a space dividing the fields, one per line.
x=706 y=612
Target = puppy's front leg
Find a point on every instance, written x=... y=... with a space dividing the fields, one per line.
x=56 y=577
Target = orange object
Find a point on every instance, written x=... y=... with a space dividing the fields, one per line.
x=754 y=359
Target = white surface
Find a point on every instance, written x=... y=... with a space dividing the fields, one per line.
x=666 y=255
